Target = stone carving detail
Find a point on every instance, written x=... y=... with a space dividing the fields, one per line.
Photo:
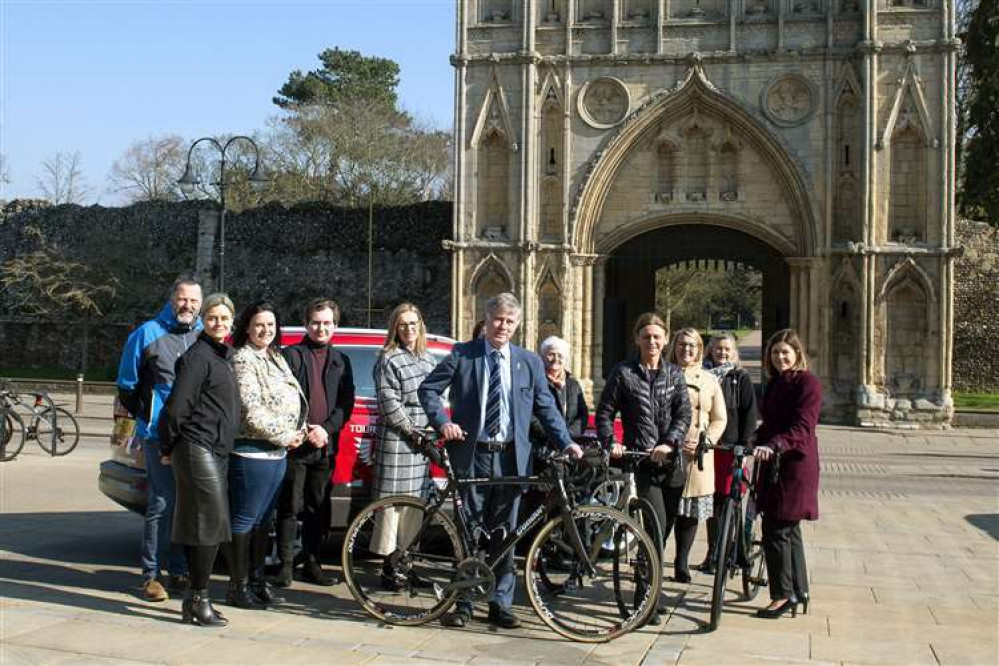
x=604 y=103
x=789 y=100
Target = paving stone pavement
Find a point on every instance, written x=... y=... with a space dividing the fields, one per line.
x=904 y=565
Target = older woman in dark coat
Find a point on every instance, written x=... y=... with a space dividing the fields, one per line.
x=789 y=486
x=565 y=389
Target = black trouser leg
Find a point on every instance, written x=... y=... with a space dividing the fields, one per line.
x=200 y=560
x=686 y=532
x=315 y=487
x=778 y=549
x=665 y=500
x=800 y=570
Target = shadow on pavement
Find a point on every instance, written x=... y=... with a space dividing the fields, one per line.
x=84 y=537
x=986 y=522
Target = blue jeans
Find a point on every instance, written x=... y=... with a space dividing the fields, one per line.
x=253 y=490
x=157 y=550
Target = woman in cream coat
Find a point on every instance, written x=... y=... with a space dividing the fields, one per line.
x=708 y=416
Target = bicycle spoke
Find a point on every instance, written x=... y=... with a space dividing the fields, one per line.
x=398 y=563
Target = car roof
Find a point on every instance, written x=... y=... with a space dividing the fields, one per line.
x=362 y=337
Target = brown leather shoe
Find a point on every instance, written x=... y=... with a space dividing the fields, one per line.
x=152 y=590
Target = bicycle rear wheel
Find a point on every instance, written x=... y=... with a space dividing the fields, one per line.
x=12 y=435
x=725 y=550
x=398 y=560
x=641 y=511
x=753 y=563
x=583 y=606
x=67 y=431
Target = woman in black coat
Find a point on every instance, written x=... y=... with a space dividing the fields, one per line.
x=565 y=389
x=196 y=437
x=740 y=403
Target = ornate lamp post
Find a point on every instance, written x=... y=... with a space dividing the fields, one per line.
x=190 y=180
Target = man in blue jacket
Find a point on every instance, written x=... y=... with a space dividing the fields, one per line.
x=145 y=378
x=495 y=388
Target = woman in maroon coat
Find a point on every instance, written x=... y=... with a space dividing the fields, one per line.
x=789 y=479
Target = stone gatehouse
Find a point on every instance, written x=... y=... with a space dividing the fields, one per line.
x=600 y=140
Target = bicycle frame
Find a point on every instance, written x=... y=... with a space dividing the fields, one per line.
x=557 y=500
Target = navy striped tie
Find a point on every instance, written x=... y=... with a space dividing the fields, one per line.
x=494 y=397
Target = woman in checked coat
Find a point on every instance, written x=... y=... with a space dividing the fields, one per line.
x=399 y=470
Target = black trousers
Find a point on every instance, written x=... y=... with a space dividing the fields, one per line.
x=304 y=493
x=785 y=555
x=665 y=499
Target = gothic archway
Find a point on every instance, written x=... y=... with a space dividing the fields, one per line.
x=630 y=269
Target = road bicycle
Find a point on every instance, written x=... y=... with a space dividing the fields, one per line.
x=53 y=427
x=435 y=557
x=738 y=547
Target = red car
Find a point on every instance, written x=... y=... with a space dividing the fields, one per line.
x=123 y=477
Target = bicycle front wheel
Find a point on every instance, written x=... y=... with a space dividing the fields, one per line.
x=641 y=511
x=12 y=435
x=399 y=560
x=724 y=550
x=581 y=604
x=65 y=429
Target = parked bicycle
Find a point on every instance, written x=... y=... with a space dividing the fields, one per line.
x=739 y=544
x=52 y=426
x=439 y=557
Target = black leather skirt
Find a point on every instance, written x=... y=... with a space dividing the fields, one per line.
x=201 y=515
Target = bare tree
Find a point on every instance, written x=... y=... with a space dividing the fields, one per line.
x=148 y=170
x=355 y=153
x=672 y=287
x=62 y=180
x=44 y=282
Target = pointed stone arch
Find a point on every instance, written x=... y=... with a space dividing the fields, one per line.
x=548 y=291
x=693 y=90
x=550 y=91
x=906 y=271
x=494 y=116
x=909 y=87
x=845 y=331
x=489 y=278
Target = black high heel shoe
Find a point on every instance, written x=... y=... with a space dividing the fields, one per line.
x=789 y=606
x=803 y=598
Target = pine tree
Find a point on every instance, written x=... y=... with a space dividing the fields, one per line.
x=979 y=190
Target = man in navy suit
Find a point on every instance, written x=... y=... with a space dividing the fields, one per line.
x=495 y=388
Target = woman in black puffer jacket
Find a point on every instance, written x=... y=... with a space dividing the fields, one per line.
x=651 y=396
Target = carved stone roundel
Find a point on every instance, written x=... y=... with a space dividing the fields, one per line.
x=604 y=102
x=788 y=100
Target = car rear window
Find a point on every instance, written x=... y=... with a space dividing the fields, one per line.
x=362 y=363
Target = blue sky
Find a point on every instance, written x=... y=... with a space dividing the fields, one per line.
x=96 y=76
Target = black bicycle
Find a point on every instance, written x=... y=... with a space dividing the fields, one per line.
x=54 y=428
x=739 y=544
x=406 y=561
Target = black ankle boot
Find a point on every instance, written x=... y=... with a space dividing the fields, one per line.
x=239 y=595
x=313 y=572
x=197 y=609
